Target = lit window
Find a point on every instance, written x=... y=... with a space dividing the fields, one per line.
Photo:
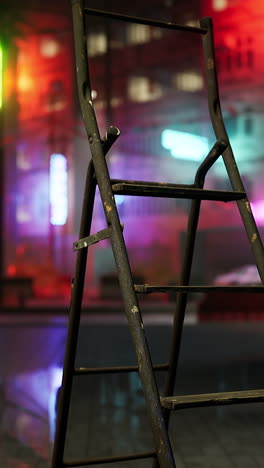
x=156 y=33
x=188 y=81
x=58 y=189
x=219 y=5
x=97 y=44
x=49 y=47
x=116 y=101
x=56 y=96
x=140 y=89
x=138 y=33
x=22 y=216
x=22 y=160
x=24 y=82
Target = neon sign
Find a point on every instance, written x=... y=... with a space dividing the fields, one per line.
x=1 y=76
x=184 y=145
x=58 y=189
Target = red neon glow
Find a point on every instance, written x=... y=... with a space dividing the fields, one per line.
x=230 y=41
x=11 y=270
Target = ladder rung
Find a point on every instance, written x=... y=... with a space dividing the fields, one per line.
x=98 y=461
x=148 y=289
x=212 y=399
x=114 y=370
x=157 y=189
x=149 y=22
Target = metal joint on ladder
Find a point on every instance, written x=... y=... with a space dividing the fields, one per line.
x=94 y=238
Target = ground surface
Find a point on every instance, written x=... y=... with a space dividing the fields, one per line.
x=107 y=414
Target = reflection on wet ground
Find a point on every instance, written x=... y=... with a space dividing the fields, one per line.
x=107 y=414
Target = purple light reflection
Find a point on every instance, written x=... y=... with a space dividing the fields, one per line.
x=55 y=383
x=258 y=211
x=56 y=378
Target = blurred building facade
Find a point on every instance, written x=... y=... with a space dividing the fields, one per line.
x=41 y=83
x=146 y=81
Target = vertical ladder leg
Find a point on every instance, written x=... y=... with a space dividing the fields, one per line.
x=160 y=435
x=228 y=157
x=181 y=301
x=75 y=307
x=74 y=321
x=179 y=314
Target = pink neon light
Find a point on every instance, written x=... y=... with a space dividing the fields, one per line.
x=258 y=210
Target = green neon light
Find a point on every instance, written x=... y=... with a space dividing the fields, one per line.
x=184 y=145
x=1 y=76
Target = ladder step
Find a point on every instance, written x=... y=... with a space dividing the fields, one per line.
x=114 y=370
x=101 y=460
x=148 y=289
x=149 y=22
x=157 y=189
x=212 y=399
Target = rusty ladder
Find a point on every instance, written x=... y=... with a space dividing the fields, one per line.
x=158 y=407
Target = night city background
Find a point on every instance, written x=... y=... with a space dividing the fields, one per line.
x=150 y=83
x=147 y=82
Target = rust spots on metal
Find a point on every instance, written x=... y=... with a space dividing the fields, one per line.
x=248 y=206
x=107 y=207
x=134 y=309
x=140 y=362
x=254 y=237
x=210 y=63
x=161 y=447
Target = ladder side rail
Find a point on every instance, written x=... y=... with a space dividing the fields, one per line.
x=181 y=301
x=160 y=436
x=228 y=156
x=179 y=314
x=74 y=322
x=75 y=307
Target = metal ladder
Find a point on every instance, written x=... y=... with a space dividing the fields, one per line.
x=158 y=407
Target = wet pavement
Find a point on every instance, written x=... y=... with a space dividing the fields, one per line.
x=107 y=414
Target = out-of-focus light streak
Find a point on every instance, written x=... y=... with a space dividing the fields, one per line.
x=1 y=76
x=58 y=189
x=56 y=377
x=184 y=145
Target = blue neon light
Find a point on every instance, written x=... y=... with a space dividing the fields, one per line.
x=58 y=189
x=184 y=145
